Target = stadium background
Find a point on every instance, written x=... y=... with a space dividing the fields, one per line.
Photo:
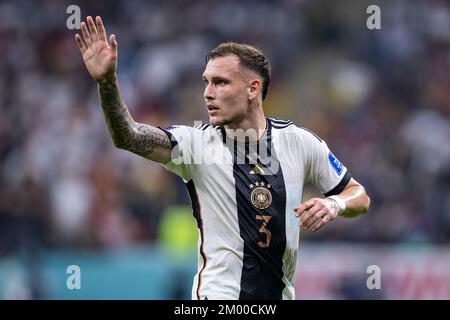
x=380 y=98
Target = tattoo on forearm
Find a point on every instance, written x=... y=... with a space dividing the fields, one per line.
x=127 y=134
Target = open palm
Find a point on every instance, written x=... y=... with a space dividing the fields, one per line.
x=99 y=55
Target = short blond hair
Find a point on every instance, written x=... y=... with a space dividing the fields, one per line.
x=249 y=57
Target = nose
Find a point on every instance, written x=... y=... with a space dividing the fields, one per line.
x=209 y=94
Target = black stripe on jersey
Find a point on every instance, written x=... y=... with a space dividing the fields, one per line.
x=196 y=210
x=262 y=270
x=172 y=139
x=202 y=126
x=279 y=121
x=282 y=127
x=194 y=202
x=224 y=135
x=338 y=189
x=280 y=124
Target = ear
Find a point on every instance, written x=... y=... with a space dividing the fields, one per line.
x=254 y=88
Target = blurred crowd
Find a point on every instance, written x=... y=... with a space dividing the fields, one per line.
x=380 y=98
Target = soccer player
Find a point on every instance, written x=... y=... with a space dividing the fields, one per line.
x=244 y=172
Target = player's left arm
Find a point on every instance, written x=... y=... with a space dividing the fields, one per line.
x=350 y=202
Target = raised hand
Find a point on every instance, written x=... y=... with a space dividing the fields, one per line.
x=99 y=55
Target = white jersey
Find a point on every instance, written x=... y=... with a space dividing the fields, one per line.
x=243 y=196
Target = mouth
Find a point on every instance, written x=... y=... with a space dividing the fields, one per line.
x=212 y=109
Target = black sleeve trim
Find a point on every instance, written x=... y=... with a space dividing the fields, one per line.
x=172 y=138
x=338 y=189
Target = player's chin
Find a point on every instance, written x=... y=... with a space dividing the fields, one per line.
x=217 y=121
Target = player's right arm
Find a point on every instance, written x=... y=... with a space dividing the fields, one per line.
x=100 y=58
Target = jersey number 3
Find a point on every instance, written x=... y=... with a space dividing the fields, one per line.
x=264 y=230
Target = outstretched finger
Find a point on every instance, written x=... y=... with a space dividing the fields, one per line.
x=92 y=28
x=86 y=35
x=80 y=43
x=113 y=43
x=100 y=28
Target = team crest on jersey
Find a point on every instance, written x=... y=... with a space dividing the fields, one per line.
x=335 y=163
x=261 y=197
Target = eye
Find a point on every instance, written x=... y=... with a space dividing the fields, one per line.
x=221 y=82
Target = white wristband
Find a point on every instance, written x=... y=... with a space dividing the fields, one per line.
x=340 y=203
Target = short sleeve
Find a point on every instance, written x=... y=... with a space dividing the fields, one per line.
x=182 y=139
x=324 y=170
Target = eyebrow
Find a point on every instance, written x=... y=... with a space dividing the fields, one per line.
x=215 y=78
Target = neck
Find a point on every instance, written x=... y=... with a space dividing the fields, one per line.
x=251 y=128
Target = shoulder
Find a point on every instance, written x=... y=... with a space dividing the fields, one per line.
x=207 y=131
x=281 y=126
x=206 y=127
x=196 y=128
x=198 y=133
